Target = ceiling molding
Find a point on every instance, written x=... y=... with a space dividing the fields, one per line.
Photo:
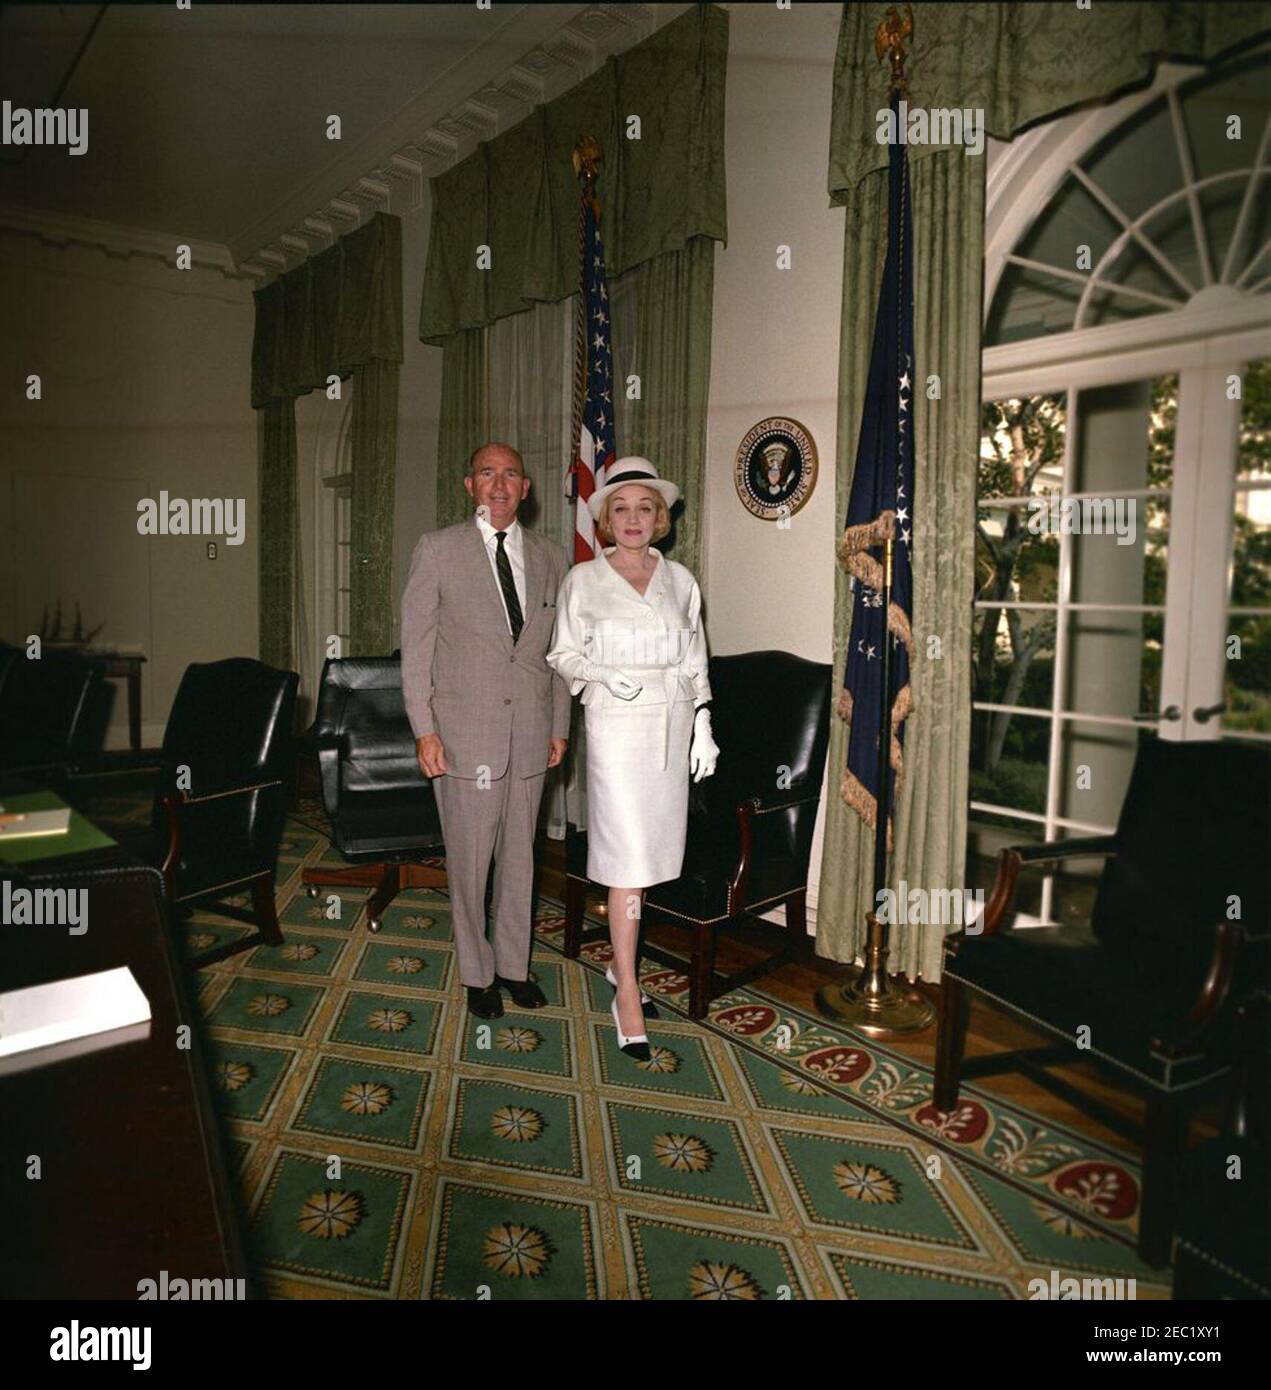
x=443 y=126
x=63 y=229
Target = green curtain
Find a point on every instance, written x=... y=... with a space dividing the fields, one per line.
x=663 y=205
x=276 y=532
x=373 y=428
x=671 y=314
x=1019 y=63
x=337 y=314
x=517 y=194
x=464 y=417
x=947 y=197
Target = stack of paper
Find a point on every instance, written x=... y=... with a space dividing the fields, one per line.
x=87 y=1005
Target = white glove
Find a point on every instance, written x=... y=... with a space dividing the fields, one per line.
x=615 y=681
x=705 y=751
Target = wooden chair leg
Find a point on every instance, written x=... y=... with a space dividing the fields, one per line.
x=797 y=924
x=385 y=891
x=950 y=1042
x=701 y=970
x=1164 y=1139
x=266 y=912
x=575 y=902
x=1187 y=1285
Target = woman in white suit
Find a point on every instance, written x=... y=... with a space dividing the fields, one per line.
x=629 y=636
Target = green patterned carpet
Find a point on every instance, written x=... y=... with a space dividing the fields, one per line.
x=390 y=1146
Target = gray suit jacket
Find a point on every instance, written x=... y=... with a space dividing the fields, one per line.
x=493 y=704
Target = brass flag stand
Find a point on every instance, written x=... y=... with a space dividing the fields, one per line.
x=871 y=1003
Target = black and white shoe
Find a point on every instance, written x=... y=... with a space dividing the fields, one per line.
x=636 y=1047
x=647 y=1004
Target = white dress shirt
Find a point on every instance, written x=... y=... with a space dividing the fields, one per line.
x=514 y=544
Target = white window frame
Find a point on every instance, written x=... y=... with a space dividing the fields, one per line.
x=1203 y=344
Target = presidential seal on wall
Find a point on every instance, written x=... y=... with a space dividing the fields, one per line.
x=775 y=470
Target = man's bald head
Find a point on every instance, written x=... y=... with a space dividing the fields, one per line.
x=492 y=450
x=496 y=482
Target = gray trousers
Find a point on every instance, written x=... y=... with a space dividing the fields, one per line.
x=480 y=823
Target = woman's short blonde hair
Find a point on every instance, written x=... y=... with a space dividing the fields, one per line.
x=661 y=520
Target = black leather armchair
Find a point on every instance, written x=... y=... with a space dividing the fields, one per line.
x=220 y=802
x=750 y=826
x=42 y=709
x=381 y=806
x=1156 y=974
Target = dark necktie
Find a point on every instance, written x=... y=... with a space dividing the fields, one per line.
x=504 y=566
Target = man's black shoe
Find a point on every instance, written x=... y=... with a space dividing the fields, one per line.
x=487 y=1002
x=525 y=993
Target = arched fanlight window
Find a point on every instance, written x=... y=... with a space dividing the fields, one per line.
x=1160 y=210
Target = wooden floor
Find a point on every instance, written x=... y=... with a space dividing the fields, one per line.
x=988 y=1030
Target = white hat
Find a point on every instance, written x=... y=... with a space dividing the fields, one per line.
x=632 y=469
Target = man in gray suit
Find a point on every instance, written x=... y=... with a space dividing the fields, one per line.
x=488 y=714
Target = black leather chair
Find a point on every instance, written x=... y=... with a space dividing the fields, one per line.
x=381 y=806
x=42 y=710
x=1223 y=1249
x=750 y=825
x=219 y=802
x=1156 y=974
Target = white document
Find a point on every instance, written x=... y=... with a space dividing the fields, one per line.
x=21 y=825
x=54 y=1013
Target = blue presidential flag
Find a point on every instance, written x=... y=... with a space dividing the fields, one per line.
x=881 y=505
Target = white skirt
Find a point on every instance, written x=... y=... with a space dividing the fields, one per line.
x=636 y=812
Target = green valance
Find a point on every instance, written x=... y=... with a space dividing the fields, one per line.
x=340 y=310
x=1017 y=63
x=518 y=194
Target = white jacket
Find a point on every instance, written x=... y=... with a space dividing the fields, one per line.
x=657 y=639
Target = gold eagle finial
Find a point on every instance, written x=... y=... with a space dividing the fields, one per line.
x=586 y=159
x=890 y=39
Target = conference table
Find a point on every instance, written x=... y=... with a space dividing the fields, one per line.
x=112 y=1160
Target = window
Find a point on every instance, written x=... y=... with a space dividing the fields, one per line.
x=1123 y=519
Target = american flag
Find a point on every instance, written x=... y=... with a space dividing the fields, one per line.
x=881 y=504
x=593 y=383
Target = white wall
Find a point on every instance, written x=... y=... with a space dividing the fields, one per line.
x=146 y=386
x=775 y=338
x=146 y=380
